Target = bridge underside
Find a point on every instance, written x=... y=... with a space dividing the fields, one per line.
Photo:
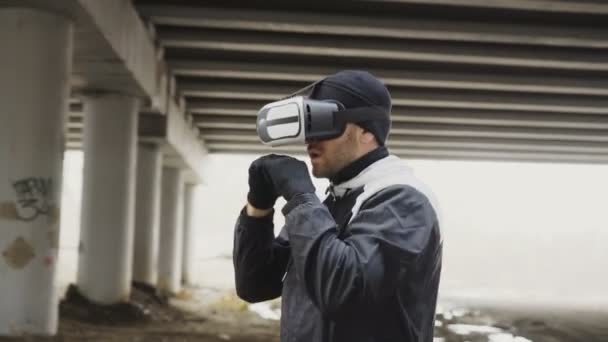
x=506 y=80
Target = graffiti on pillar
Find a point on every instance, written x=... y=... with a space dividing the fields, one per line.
x=34 y=198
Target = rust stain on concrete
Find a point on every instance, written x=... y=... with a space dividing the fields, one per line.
x=18 y=254
x=54 y=215
x=53 y=237
x=48 y=261
x=8 y=211
x=53 y=233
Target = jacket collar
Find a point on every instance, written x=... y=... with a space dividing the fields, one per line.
x=353 y=169
x=380 y=175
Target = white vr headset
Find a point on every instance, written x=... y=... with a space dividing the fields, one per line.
x=299 y=119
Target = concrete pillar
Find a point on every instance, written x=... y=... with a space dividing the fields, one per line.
x=108 y=197
x=189 y=234
x=147 y=213
x=171 y=231
x=35 y=66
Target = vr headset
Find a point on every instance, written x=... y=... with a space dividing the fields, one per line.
x=298 y=119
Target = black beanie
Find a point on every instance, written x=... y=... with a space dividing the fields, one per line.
x=353 y=89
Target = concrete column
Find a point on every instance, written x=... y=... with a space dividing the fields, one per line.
x=108 y=197
x=147 y=213
x=171 y=231
x=189 y=234
x=35 y=66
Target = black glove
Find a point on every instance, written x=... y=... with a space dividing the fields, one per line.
x=288 y=175
x=262 y=194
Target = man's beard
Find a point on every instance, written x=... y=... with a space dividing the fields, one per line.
x=329 y=170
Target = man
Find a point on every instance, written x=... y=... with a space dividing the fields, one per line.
x=363 y=265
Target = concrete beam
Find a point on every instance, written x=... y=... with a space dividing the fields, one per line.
x=178 y=137
x=398 y=139
x=152 y=125
x=501 y=132
x=437 y=79
x=364 y=26
x=213 y=136
x=246 y=141
x=557 y=6
x=407 y=96
x=447 y=116
x=112 y=49
x=324 y=46
x=116 y=41
x=246 y=107
x=465 y=153
x=179 y=140
x=429 y=153
x=460 y=130
x=115 y=52
x=199 y=105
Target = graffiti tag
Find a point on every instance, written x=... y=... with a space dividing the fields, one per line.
x=34 y=198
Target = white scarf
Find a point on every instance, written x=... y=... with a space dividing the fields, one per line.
x=382 y=174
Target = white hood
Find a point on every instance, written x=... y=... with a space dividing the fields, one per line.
x=382 y=174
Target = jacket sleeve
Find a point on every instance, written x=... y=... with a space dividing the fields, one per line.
x=390 y=231
x=260 y=259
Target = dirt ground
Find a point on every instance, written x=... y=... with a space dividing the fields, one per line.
x=207 y=315
x=218 y=317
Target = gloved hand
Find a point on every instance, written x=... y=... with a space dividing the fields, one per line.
x=262 y=194
x=289 y=176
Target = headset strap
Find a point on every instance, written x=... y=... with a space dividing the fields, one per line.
x=361 y=114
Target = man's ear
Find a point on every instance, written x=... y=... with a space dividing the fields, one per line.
x=367 y=137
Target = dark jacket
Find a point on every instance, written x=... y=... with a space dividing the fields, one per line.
x=374 y=278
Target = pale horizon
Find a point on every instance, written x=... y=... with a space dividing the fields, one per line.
x=513 y=231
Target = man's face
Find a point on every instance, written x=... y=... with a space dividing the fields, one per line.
x=330 y=156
